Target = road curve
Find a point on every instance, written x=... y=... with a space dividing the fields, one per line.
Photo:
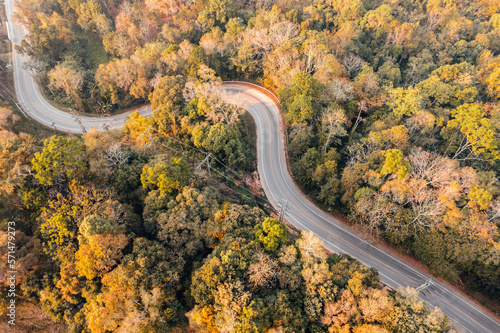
x=33 y=102
x=278 y=186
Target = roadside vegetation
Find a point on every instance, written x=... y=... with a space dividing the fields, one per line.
x=112 y=236
x=392 y=118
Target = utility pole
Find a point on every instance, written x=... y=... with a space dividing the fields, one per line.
x=143 y=142
x=207 y=160
x=150 y=138
x=283 y=208
x=427 y=283
x=78 y=120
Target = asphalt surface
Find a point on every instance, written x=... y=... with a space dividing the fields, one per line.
x=281 y=189
x=32 y=100
x=278 y=186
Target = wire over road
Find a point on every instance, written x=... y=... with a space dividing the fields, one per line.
x=278 y=186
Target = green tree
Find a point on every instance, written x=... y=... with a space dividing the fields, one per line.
x=222 y=140
x=450 y=85
x=299 y=99
x=305 y=84
x=182 y=222
x=304 y=168
x=167 y=103
x=300 y=109
x=271 y=233
x=232 y=219
x=61 y=159
x=411 y=315
x=300 y=138
x=218 y=12
x=389 y=74
x=197 y=58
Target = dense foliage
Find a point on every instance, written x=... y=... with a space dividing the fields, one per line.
x=114 y=237
x=393 y=118
x=405 y=138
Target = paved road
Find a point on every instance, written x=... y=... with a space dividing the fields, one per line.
x=35 y=105
x=278 y=187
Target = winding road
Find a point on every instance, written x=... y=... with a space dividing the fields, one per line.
x=278 y=186
x=33 y=103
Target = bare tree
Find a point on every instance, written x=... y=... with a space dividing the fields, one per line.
x=433 y=20
x=420 y=124
x=494 y=211
x=259 y=40
x=284 y=32
x=338 y=91
x=164 y=7
x=127 y=8
x=147 y=29
x=314 y=56
x=375 y=209
x=310 y=247
x=353 y=62
x=264 y=271
x=215 y=96
x=426 y=206
x=436 y=170
x=333 y=121
x=362 y=107
x=281 y=60
x=115 y=155
x=360 y=152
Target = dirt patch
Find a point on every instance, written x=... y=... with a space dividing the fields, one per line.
x=252 y=181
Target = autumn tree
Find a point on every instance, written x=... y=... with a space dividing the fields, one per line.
x=405 y=102
x=51 y=33
x=478 y=131
x=101 y=242
x=167 y=176
x=271 y=233
x=69 y=81
x=394 y=164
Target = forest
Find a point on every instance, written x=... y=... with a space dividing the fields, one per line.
x=114 y=236
x=392 y=119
